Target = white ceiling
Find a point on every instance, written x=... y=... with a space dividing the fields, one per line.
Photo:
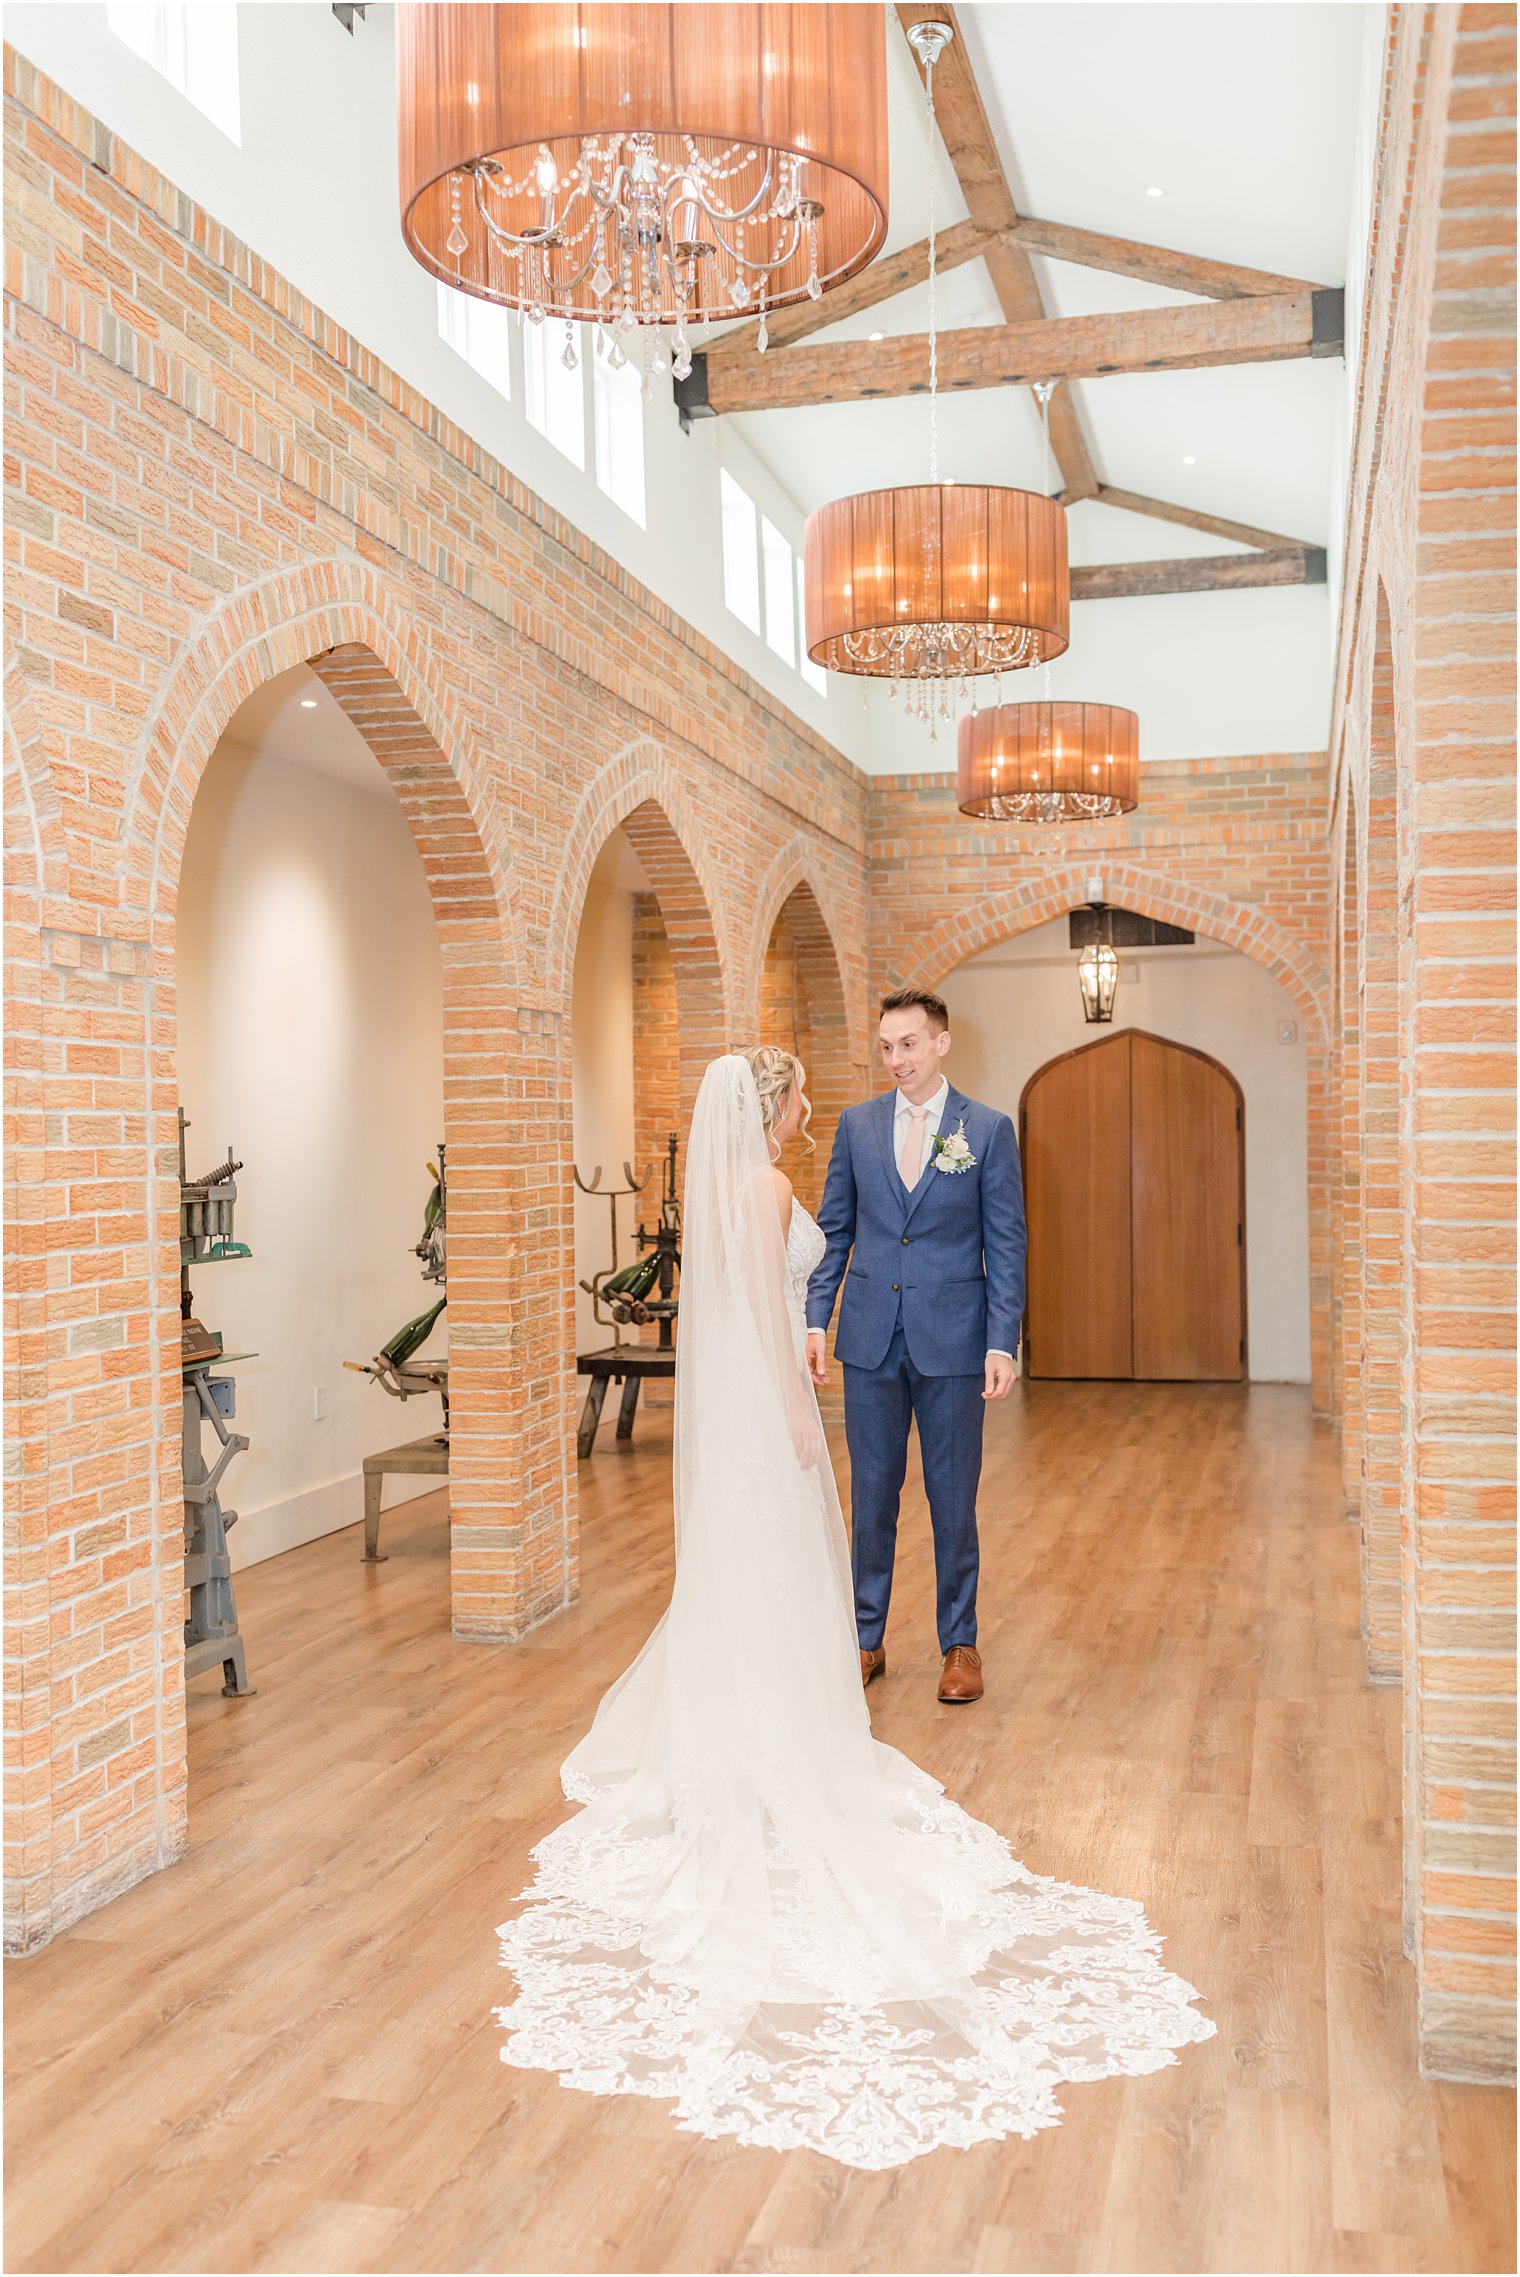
x=294 y=717
x=1247 y=117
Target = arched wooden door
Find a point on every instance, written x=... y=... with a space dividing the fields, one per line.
x=1134 y=1186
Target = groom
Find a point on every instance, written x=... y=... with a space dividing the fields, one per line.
x=925 y=1202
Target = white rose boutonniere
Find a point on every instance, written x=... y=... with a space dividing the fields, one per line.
x=953 y=1154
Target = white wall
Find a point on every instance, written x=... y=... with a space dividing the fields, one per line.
x=311 y=1039
x=601 y=1033
x=1016 y=1006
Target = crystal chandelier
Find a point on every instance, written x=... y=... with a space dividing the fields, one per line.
x=1047 y=763
x=936 y=583
x=635 y=166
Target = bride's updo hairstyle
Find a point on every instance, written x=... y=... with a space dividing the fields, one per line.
x=775 y=1071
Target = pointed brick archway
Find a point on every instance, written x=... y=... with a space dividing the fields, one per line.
x=1381 y=1198
x=105 y=1799
x=1050 y=893
x=688 y=988
x=1176 y=901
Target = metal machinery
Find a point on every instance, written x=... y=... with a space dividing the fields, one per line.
x=396 y=1371
x=633 y=1296
x=393 y=1366
x=206 y=1238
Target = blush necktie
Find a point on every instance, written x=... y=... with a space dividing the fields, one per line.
x=913 y=1145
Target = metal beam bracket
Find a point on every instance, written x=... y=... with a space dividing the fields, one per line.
x=1327 y=333
x=691 y=393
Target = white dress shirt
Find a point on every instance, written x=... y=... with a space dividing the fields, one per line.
x=936 y=1109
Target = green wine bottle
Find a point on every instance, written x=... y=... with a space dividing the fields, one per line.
x=410 y=1339
x=635 y=1280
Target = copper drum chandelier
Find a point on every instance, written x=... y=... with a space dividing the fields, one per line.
x=636 y=166
x=937 y=583
x=1048 y=763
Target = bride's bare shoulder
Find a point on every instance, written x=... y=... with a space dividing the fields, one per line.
x=781 y=1187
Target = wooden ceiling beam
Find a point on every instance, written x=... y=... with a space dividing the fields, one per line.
x=964 y=129
x=1216 y=573
x=891 y=274
x=1190 y=518
x=899 y=272
x=1184 y=338
x=1151 y=264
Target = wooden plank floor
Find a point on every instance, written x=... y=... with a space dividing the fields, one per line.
x=280 y=2055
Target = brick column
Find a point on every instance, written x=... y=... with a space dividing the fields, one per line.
x=803 y=1009
x=1460 y=1325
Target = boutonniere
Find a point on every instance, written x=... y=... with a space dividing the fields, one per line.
x=953 y=1153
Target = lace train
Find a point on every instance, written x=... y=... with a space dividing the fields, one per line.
x=760 y=1912
x=1067 y=1985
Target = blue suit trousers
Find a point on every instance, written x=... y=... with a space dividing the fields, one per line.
x=878 y=1406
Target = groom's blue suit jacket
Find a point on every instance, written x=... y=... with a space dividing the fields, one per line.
x=947 y=1258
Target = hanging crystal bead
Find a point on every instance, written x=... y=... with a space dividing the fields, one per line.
x=456 y=242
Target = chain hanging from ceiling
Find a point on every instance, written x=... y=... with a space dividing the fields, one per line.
x=931 y=585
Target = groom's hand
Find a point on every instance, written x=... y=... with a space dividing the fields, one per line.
x=999 y=1376
x=817 y=1356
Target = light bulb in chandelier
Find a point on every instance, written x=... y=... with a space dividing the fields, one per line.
x=664 y=164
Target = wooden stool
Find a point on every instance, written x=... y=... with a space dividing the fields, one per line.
x=430 y=1457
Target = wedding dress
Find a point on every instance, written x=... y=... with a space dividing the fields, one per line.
x=760 y=1912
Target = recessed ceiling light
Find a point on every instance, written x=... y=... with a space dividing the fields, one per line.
x=308 y=703
x=876 y=335
x=1153 y=192
x=1190 y=460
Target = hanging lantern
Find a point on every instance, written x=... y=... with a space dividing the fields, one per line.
x=934 y=584
x=1048 y=762
x=1098 y=979
x=642 y=165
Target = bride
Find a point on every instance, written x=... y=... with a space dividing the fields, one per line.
x=760 y=1912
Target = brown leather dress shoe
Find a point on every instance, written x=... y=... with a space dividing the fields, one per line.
x=961 y=1677
x=872 y=1663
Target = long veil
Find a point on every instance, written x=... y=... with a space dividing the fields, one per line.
x=759 y=1911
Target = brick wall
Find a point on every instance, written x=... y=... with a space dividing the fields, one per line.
x=1422 y=753
x=207 y=482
